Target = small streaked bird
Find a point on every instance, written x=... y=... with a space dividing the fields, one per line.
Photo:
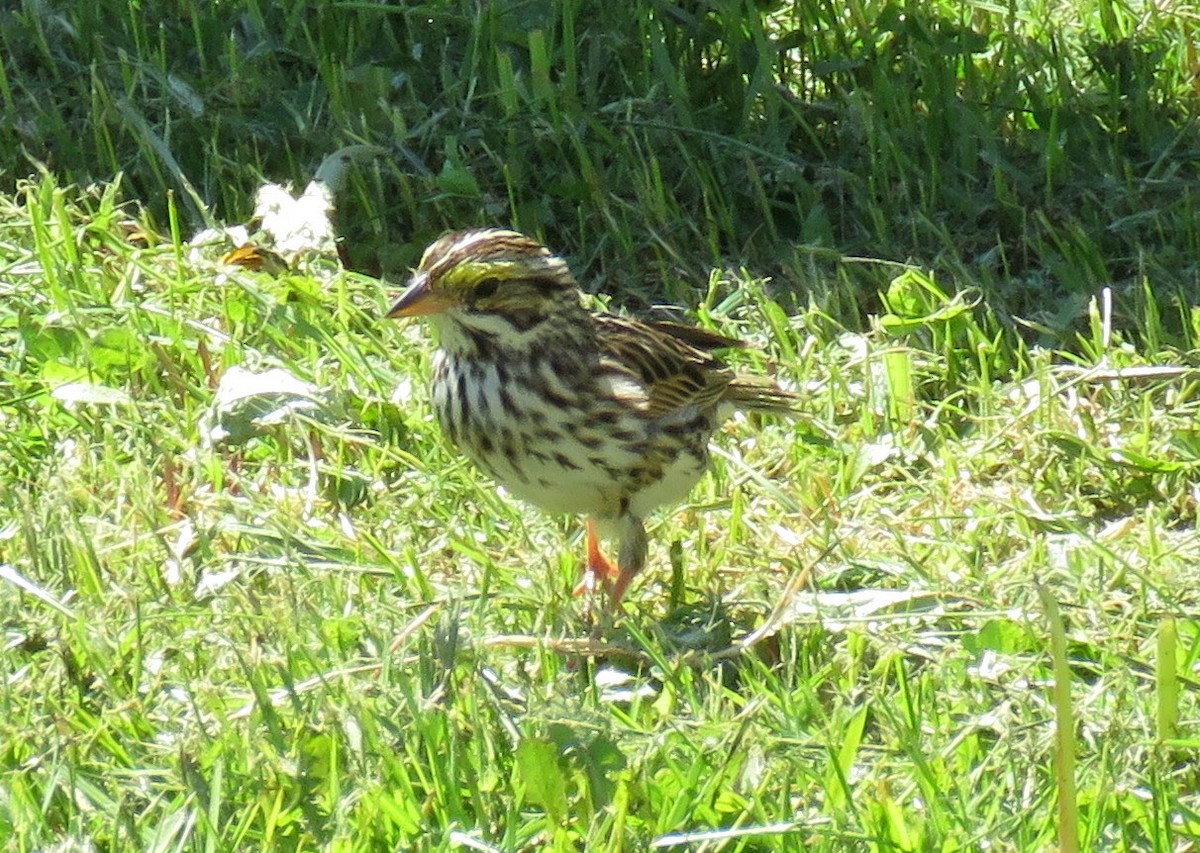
x=572 y=410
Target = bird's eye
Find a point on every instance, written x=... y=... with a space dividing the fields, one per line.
x=486 y=288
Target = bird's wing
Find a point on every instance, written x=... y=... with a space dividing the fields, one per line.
x=663 y=368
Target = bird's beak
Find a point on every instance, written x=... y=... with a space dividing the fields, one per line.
x=418 y=300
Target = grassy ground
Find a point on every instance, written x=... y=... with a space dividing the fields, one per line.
x=1036 y=149
x=251 y=600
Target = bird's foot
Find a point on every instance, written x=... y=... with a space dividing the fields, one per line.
x=601 y=573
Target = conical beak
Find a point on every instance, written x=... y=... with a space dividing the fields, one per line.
x=418 y=300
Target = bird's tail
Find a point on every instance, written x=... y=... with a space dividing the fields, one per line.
x=760 y=394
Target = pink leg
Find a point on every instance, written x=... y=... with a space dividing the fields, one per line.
x=616 y=589
x=598 y=569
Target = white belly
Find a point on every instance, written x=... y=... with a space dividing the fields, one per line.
x=552 y=457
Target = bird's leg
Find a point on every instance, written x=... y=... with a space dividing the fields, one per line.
x=630 y=560
x=631 y=557
x=598 y=569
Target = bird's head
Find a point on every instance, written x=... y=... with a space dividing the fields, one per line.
x=488 y=279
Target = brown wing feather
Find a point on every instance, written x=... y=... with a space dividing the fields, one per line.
x=699 y=338
x=667 y=360
x=744 y=391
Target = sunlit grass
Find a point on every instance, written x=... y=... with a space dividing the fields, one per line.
x=334 y=632
x=252 y=600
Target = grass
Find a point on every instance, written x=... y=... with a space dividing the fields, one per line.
x=251 y=600
x=1036 y=151
x=328 y=631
